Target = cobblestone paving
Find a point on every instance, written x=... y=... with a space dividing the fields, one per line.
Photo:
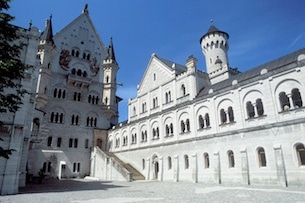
x=89 y=191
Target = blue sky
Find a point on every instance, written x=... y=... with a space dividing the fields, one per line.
x=260 y=30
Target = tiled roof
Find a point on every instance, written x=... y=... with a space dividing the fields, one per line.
x=273 y=67
x=177 y=67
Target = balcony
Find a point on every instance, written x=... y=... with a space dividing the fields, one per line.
x=79 y=81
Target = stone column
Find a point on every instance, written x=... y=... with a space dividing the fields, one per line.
x=244 y=167
x=148 y=169
x=194 y=168
x=280 y=166
x=160 y=176
x=217 y=170
x=176 y=168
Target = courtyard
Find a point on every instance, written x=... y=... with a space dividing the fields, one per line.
x=92 y=191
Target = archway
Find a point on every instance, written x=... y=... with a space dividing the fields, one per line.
x=155 y=167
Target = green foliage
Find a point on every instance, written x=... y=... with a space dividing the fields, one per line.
x=11 y=68
x=5 y=152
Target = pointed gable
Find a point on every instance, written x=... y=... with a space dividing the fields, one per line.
x=159 y=71
x=81 y=33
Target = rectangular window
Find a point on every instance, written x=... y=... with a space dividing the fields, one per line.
x=70 y=142
x=75 y=143
x=59 y=142
x=87 y=143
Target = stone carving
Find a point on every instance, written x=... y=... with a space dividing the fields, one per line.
x=94 y=67
x=64 y=59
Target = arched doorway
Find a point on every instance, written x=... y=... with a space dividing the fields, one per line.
x=155 y=167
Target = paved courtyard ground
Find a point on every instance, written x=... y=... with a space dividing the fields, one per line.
x=90 y=191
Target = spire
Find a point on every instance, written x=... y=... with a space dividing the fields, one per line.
x=47 y=35
x=110 y=51
x=85 y=10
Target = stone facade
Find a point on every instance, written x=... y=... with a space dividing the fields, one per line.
x=221 y=127
x=75 y=97
x=16 y=131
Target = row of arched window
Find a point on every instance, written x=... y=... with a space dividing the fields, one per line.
x=73 y=142
x=59 y=93
x=79 y=72
x=57 y=117
x=75 y=52
x=204 y=122
x=93 y=99
x=260 y=153
x=77 y=96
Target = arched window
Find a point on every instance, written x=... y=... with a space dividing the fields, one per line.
x=188 y=127
x=206 y=160
x=77 y=54
x=166 y=98
x=169 y=161
x=231 y=114
x=207 y=120
x=259 y=107
x=134 y=111
x=167 y=130
x=261 y=157
x=183 y=91
x=84 y=74
x=250 y=110
x=106 y=100
x=89 y=99
x=73 y=71
x=182 y=127
x=52 y=117
x=223 y=116
x=79 y=72
x=59 y=93
x=73 y=52
x=201 y=122
x=107 y=79
x=231 y=159
x=171 y=129
x=300 y=150
x=143 y=164
x=186 y=162
x=296 y=98
x=84 y=55
x=284 y=101
x=55 y=93
x=88 y=57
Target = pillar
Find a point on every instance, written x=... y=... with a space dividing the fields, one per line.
x=176 y=168
x=280 y=166
x=244 y=167
x=217 y=172
x=194 y=168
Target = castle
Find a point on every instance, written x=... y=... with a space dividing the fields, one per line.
x=218 y=126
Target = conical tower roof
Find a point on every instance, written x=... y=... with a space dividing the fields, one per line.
x=110 y=51
x=211 y=30
x=47 y=34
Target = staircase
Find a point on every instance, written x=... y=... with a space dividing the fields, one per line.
x=134 y=174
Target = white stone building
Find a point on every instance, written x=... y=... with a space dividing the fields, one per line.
x=222 y=126
x=76 y=99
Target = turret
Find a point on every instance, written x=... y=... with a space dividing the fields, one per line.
x=110 y=100
x=215 y=47
x=46 y=50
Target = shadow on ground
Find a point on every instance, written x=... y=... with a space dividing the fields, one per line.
x=54 y=185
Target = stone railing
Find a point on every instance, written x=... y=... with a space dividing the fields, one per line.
x=115 y=161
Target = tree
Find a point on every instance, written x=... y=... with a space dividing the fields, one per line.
x=11 y=68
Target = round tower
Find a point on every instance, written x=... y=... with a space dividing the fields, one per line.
x=215 y=47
